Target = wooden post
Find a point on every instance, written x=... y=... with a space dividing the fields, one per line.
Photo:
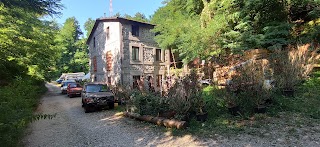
x=174 y=60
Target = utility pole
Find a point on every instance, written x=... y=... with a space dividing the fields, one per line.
x=110 y=8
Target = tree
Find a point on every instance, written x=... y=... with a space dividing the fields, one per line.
x=25 y=40
x=67 y=42
x=88 y=25
x=137 y=17
x=203 y=28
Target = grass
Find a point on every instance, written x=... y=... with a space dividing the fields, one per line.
x=17 y=103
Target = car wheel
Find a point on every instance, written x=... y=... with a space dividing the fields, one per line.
x=111 y=105
x=87 y=109
x=70 y=95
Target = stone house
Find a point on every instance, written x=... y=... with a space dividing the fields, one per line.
x=123 y=51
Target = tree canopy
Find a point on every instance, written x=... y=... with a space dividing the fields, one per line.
x=203 y=28
x=72 y=49
x=26 y=41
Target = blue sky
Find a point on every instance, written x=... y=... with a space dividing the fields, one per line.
x=84 y=9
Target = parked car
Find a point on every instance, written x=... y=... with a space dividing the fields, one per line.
x=64 y=85
x=59 y=81
x=74 y=89
x=206 y=82
x=97 y=96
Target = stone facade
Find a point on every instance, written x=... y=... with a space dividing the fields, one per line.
x=115 y=36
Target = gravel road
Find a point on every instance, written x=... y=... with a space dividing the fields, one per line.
x=72 y=127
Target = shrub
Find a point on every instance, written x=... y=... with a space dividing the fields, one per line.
x=293 y=65
x=147 y=103
x=247 y=86
x=186 y=96
x=17 y=103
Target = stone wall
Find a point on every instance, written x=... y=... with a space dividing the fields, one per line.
x=147 y=66
x=107 y=38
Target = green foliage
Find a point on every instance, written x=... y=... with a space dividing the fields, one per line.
x=88 y=25
x=137 y=17
x=73 y=50
x=202 y=28
x=147 y=103
x=306 y=100
x=26 y=40
x=17 y=103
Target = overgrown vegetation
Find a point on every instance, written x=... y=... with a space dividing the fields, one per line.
x=18 y=101
x=206 y=28
x=27 y=58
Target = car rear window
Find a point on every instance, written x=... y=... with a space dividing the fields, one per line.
x=97 y=88
x=73 y=85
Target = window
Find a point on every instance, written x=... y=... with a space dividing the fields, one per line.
x=158 y=55
x=135 y=53
x=108 y=32
x=135 y=82
x=94 y=42
x=109 y=80
x=159 y=78
x=135 y=30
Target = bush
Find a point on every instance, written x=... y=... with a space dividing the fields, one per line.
x=147 y=103
x=185 y=96
x=247 y=86
x=18 y=100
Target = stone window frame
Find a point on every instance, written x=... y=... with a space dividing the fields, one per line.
x=162 y=55
x=139 y=61
x=135 y=53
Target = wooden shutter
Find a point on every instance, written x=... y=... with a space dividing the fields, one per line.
x=95 y=64
x=109 y=61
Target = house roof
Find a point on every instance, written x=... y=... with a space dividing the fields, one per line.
x=114 y=19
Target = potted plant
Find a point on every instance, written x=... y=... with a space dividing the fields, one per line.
x=198 y=106
x=231 y=104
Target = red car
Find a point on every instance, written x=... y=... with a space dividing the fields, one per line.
x=74 y=89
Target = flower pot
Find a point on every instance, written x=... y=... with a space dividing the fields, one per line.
x=234 y=110
x=260 y=109
x=202 y=117
x=288 y=92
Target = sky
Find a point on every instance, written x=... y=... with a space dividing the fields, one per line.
x=84 y=9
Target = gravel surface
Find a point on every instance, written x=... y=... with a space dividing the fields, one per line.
x=73 y=127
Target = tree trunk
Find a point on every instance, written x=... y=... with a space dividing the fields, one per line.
x=171 y=123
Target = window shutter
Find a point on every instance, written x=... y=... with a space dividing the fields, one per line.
x=109 y=61
x=95 y=64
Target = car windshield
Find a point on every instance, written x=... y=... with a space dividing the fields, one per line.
x=72 y=85
x=97 y=88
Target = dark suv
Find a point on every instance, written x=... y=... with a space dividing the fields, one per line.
x=97 y=96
